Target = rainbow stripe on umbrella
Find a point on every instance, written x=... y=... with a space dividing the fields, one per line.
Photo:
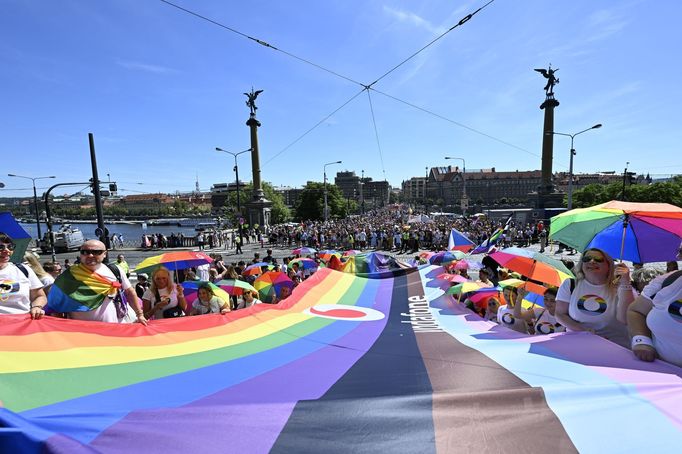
x=178 y=260
x=270 y=285
x=304 y=263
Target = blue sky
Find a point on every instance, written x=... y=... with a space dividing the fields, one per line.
x=160 y=89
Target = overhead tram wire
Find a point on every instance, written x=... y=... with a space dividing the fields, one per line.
x=365 y=87
x=262 y=43
x=314 y=127
x=461 y=125
x=462 y=21
x=376 y=132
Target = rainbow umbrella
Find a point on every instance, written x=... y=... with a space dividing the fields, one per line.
x=10 y=227
x=304 y=251
x=328 y=254
x=304 y=263
x=451 y=278
x=256 y=269
x=515 y=283
x=192 y=292
x=639 y=232
x=235 y=286
x=469 y=286
x=537 y=267
x=173 y=261
x=445 y=257
x=271 y=283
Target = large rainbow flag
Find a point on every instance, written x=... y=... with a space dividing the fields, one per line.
x=346 y=364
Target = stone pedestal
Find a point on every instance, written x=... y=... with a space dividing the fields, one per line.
x=259 y=212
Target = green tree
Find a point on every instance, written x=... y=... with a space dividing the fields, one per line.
x=311 y=202
x=594 y=194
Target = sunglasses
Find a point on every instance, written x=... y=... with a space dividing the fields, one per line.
x=6 y=247
x=591 y=258
x=96 y=252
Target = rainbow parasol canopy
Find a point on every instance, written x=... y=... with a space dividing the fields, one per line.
x=235 y=286
x=178 y=260
x=537 y=267
x=270 y=285
x=639 y=232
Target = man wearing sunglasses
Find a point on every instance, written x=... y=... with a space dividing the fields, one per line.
x=89 y=290
x=20 y=289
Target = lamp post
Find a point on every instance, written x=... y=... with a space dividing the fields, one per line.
x=570 y=165
x=236 y=173
x=35 y=196
x=326 y=214
x=464 y=202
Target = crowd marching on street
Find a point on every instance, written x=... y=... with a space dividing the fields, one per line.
x=629 y=298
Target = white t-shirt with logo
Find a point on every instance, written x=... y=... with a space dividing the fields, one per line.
x=665 y=321
x=546 y=323
x=505 y=317
x=15 y=289
x=594 y=307
x=107 y=310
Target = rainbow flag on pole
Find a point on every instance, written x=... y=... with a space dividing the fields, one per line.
x=345 y=364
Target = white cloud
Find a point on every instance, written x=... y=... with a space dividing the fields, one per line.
x=138 y=66
x=414 y=19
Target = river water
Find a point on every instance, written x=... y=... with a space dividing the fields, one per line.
x=132 y=233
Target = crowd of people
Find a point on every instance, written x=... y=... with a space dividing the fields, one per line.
x=636 y=308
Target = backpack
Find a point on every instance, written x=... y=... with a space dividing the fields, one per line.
x=667 y=281
x=119 y=301
x=23 y=268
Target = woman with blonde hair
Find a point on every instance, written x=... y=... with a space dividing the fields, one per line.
x=598 y=299
x=163 y=299
x=45 y=277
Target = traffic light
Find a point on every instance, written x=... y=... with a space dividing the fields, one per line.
x=631 y=178
x=113 y=187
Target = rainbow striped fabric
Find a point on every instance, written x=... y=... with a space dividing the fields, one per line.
x=78 y=289
x=346 y=364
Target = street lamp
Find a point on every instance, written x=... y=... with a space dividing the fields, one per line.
x=570 y=165
x=326 y=214
x=464 y=201
x=236 y=172
x=35 y=196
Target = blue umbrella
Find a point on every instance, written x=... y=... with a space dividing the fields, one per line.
x=21 y=239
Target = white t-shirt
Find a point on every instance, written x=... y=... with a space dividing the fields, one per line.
x=595 y=308
x=47 y=280
x=107 y=310
x=163 y=292
x=203 y=272
x=665 y=321
x=15 y=289
x=546 y=323
x=211 y=307
x=505 y=317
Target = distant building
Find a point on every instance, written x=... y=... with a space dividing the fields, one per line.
x=349 y=184
x=152 y=202
x=220 y=193
x=289 y=195
x=483 y=186
x=414 y=190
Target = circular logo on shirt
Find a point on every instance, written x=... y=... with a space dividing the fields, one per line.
x=675 y=310
x=544 y=328
x=342 y=312
x=508 y=319
x=592 y=304
x=7 y=288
